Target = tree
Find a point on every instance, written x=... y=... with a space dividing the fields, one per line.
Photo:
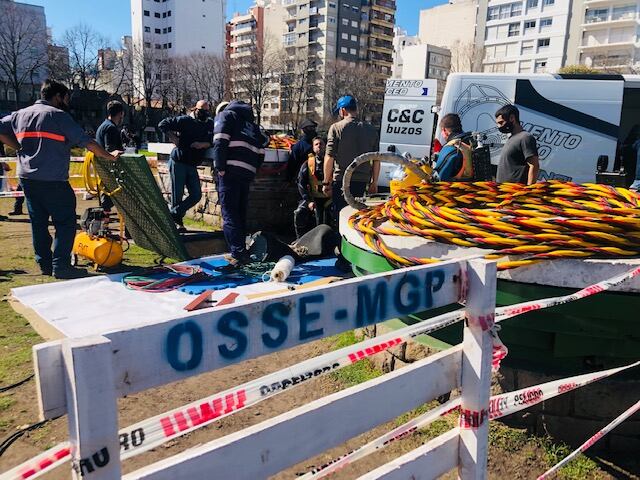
x=83 y=43
x=255 y=76
x=23 y=49
x=206 y=76
x=295 y=87
x=578 y=69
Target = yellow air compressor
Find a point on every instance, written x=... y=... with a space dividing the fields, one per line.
x=95 y=243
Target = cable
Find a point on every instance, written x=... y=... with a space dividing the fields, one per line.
x=17 y=384
x=7 y=442
x=165 y=278
x=546 y=220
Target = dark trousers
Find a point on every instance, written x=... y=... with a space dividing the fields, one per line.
x=233 y=196
x=19 y=202
x=57 y=201
x=183 y=175
x=357 y=190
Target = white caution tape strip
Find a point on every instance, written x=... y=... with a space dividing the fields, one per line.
x=586 y=445
x=499 y=406
x=502 y=313
x=77 y=191
x=150 y=433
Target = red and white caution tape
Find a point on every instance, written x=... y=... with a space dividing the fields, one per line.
x=502 y=313
x=157 y=430
x=586 y=445
x=21 y=194
x=499 y=406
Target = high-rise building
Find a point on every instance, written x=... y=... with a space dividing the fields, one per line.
x=170 y=28
x=446 y=25
x=27 y=58
x=603 y=35
x=424 y=61
x=525 y=36
x=401 y=41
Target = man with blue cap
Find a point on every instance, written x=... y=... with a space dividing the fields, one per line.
x=346 y=140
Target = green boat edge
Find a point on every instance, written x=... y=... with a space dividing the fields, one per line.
x=598 y=332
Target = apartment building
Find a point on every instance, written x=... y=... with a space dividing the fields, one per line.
x=172 y=28
x=526 y=36
x=604 y=35
x=401 y=41
x=424 y=61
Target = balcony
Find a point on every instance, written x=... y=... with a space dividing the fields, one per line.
x=381 y=22
x=622 y=43
x=600 y=21
x=246 y=53
x=385 y=6
x=381 y=34
x=242 y=29
x=241 y=42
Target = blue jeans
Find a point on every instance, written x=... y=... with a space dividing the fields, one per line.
x=57 y=201
x=233 y=196
x=338 y=202
x=183 y=175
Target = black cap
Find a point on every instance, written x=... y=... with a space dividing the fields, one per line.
x=308 y=123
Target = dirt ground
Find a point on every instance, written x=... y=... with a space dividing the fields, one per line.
x=513 y=453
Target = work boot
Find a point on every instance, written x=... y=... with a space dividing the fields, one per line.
x=15 y=212
x=177 y=219
x=68 y=273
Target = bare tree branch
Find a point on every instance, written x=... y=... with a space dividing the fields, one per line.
x=83 y=43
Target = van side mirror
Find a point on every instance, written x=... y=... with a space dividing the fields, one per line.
x=603 y=163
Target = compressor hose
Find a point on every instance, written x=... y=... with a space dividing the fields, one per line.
x=546 y=220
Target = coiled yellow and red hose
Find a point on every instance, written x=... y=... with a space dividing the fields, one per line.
x=546 y=220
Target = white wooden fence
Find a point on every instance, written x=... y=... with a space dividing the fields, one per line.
x=84 y=377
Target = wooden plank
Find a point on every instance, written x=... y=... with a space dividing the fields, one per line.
x=477 y=348
x=431 y=460
x=201 y=341
x=41 y=326
x=277 y=443
x=92 y=408
x=48 y=365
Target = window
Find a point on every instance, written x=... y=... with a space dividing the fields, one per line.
x=355 y=9
x=156 y=14
x=164 y=46
x=164 y=15
x=548 y=2
x=346 y=5
x=168 y=29
x=527 y=49
x=330 y=48
x=147 y=44
x=353 y=51
x=147 y=29
x=345 y=36
x=354 y=24
x=332 y=5
x=529 y=25
x=157 y=30
x=345 y=22
x=624 y=12
x=169 y=13
x=332 y=19
x=146 y=13
x=514 y=30
x=504 y=11
x=540 y=66
x=545 y=22
x=343 y=49
x=596 y=15
x=170 y=42
x=354 y=38
x=302 y=21
x=532 y=3
x=158 y=46
x=543 y=43
x=331 y=34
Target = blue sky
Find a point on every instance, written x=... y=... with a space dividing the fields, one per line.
x=111 y=17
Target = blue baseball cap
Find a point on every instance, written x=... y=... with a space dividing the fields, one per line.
x=347 y=102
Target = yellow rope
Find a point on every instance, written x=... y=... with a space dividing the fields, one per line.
x=542 y=221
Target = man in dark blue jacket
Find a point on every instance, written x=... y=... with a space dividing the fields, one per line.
x=301 y=149
x=238 y=152
x=108 y=137
x=192 y=135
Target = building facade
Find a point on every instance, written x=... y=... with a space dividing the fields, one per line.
x=604 y=35
x=526 y=36
x=163 y=29
x=446 y=25
x=401 y=41
x=425 y=61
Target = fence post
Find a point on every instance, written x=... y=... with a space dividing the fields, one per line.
x=476 y=369
x=92 y=408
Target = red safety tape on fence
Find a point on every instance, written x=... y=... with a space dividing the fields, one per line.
x=586 y=445
x=499 y=406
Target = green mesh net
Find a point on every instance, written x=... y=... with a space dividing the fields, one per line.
x=137 y=197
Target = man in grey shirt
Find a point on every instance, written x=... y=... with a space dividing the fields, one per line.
x=519 y=156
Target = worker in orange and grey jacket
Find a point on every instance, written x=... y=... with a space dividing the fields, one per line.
x=310 y=178
x=43 y=135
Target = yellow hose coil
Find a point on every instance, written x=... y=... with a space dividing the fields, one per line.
x=92 y=181
x=541 y=221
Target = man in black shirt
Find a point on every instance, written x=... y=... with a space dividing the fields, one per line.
x=519 y=156
x=192 y=135
x=108 y=137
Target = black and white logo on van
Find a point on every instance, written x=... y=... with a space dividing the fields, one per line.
x=405 y=121
x=548 y=138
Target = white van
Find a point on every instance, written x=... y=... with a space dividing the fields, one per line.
x=575 y=118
